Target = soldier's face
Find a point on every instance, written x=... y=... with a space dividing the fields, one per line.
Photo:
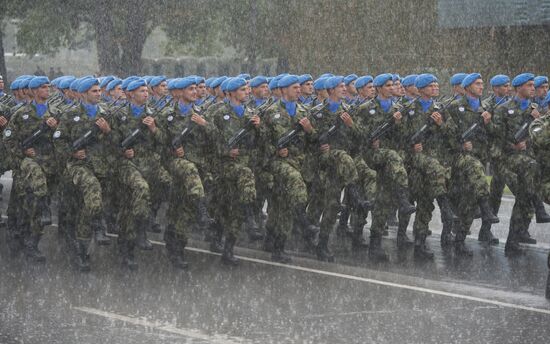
x=411 y=91
x=457 y=89
x=338 y=92
x=276 y=92
x=240 y=94
x=291 y=93
x=93 y=95
x=476 y=88
x=42 y=92
x=201 y=90
x=397 y=89
x=218 y=91
x=386 y=91
x=189 y=94
x=118 y=93
x=162 y=89
x=261 y=91
x=1 y=85
x=350 y=89
x=140 y=95
x=526 y=90
x=430 y=91
x=502 y=91
x=542 y=90
x=307 y=88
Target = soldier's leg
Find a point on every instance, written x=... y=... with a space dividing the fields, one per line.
x=176 y=233
x=245 y=182
x=15 y=223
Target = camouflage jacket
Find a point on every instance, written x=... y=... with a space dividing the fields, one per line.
x=508 y=118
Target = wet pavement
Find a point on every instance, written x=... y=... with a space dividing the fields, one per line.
x=489 y=298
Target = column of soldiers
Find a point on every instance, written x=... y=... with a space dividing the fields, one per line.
x=111 y=151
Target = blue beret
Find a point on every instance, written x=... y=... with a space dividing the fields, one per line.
x=424 y=80
x=66 y=82
x=25 y=76
x=380 y=80
x=499 y=80
x=114 y=83
x=348 y=79
x=223 y=86
x=287 y=81
x=363 y=81
x=409 y=80
x=157 y=80
x=55 y=81
x=326 y=75
x=235 y=83
x=85 y=84
x=273 y=83
x=15 y=85
x=170 y=83
x=244 y=76
x=218 y=81
x=258 y=80
x=395 y=77
x=24 y=82
x=199 y=80
x=319 y=84
x=182 y=83
x=470 y=79
x=304 y=78
x=106 y=80
x=74 y=85
x=522 y=79
x=208 y=81
x=135 y=84
x=127 y=81
x=38 y=81
x=147 y=78
x=281 y=75
x=540 y=80
x=457 y=78
x=334 y=81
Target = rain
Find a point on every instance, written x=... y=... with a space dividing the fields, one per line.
x=204 y=193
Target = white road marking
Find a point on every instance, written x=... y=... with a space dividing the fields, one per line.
x=195 y=334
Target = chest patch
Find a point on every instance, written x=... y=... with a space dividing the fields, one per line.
x=76 y=118
x=372 y=111
x=511 y=112
x=170 y=118
x=57 y=134
x=461 y=109
x=226 y=117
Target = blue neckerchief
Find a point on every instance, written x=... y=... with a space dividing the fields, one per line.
x=2 y=93
x=69 y=101
x=409 y=98
x=474 y=103
x=239 y=109
x=91 y=109
x=185 y=108
x=226 y=100
x=385 y=104
x=425 y=104
x=523 y=103
x=40 y=109
x=500 y=100
x=105 y=98
x=290 y=107
x=306 y=100
x=333 y=106
x=457 y=97
x=259 y=101
x=137 y=110
x=199 y=101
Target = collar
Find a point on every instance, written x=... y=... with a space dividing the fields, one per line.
x=385 y=104
x=474 y=103
x=239 y=109
x=523 y=103
x=425 y=103
x=259 y=101
x=40 y=108
x=91 y=109
x=185 y=108
x=137 y=110
x=290 y=107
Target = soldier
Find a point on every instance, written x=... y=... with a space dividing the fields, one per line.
x=87 y=164
x=409 y=88
x=103 y=86
x=29 y=141
x=351 y=91
x=456 y=81
x=522 y=170
x=260 y=91
x=426 y=133
x=159 y=92
x=115 y=92
x=470 y=147
x=320 y=91
x=381 y=155
x=184 y=151
x=541 y=89
x=233 y=172
x=306 y=89
x=288 y=199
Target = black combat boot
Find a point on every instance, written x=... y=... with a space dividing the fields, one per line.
x=82 y=258
x=405 y=206
x=31 y=249
x=512 y=247
x=343 y=228
x=485 y=234
x=252 y=228
x=356 y=198
x=421 y=249
x=447 y=236
x=460 y=245
x=392 y=219
x=278 y=254
x=323 y=252
x=402 y=238
x=141 y=235
x=172 y=248
x=203 y=218
x=446 y=209
x=269 y=240
x=376 y=251
x=310 y=232
x=14 y=236
x=486 y=211
x=215 y=237
x=525 y=238
x=99 y=232
x=228 y=257
x=126 y=251
x=43 y=207
x=154 y=226
x=540 y=213
x=358 y=241
x=179 y=260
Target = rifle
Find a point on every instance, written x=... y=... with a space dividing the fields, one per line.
x=385 y=127
x=239 y=136
x=523 y=132
x=42 y=128
x=472 y=130
x=86 y=138
x=132 y=138
x=418 y=137
x=290 y=136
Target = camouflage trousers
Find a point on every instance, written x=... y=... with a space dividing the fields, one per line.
x=158 y=178
x=88 y=192
x=187 y=189
x=289 y=193
x=235 y=188
x=367 y=183
x=135 y=201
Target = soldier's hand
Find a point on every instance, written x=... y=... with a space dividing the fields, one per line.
x=397 y=117
x=325 y=148
x=520 y=146
x=129 y=153
x=418 y=148
x=283 y=153
x=179 y=152
x=467 y=146
x=80 y=154
x=51 y=122
x=255 y=120
x=346 y=118
x=375 y=144
x=486 y=117
x=150 y=123
x=306 y=124
x=30 y=152
x=103 y=126
x=198 y=119
x=3 y=121
x=438 y=119
x=234 y=153
x=535 y=113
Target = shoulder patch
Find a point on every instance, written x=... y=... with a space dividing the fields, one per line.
x=226 y=117
x=57 y=134
x=511 y=111
x=7 y=133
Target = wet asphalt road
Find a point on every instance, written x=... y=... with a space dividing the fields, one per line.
x=486 y=299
